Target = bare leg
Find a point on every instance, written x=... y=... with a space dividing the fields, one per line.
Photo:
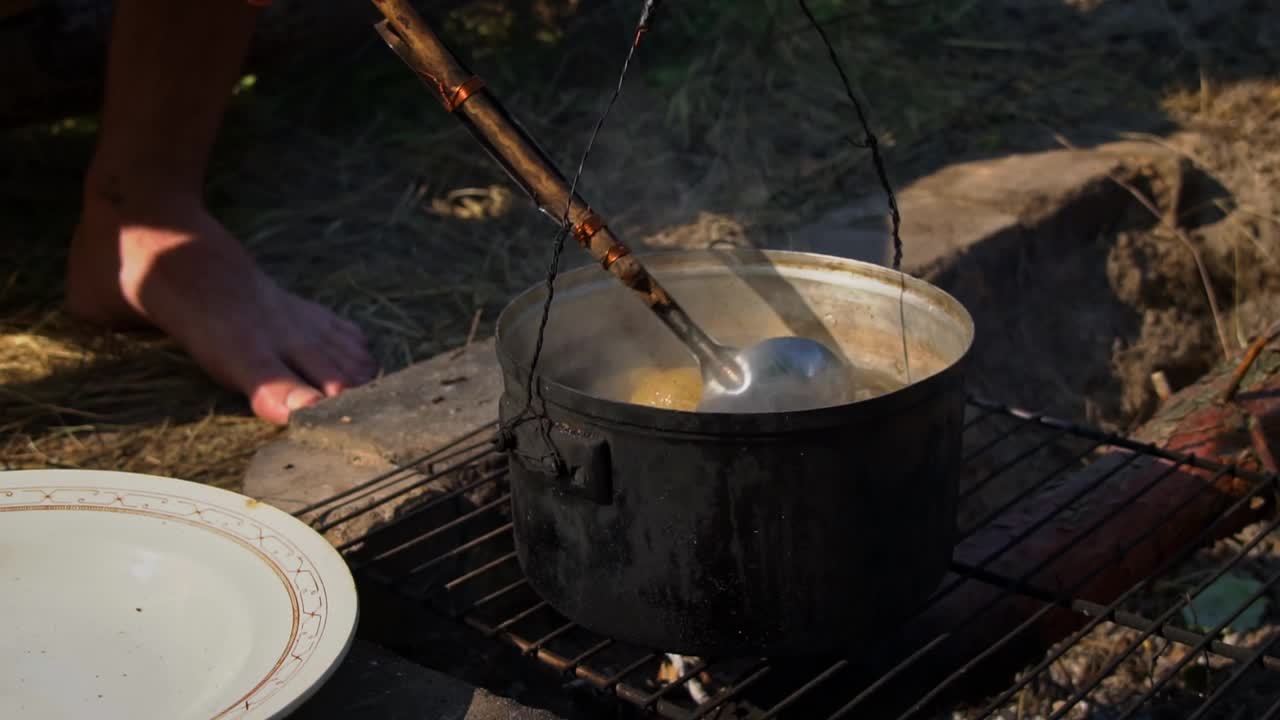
x=148 y=252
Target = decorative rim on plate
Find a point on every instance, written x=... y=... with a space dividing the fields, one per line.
x=324 y=613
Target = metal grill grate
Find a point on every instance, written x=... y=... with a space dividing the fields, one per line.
x=452 y=547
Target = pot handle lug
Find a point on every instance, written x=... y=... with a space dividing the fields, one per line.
x=580 y=464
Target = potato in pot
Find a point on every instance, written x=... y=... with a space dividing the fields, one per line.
x=664 y=388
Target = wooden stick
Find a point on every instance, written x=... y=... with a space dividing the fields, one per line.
x=1250 y=356
x=1161 y=383
x=463 y=95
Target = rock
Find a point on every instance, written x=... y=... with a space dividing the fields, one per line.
x=291 y=474
x=376 y=435
x=411 y=412
x=967 y=204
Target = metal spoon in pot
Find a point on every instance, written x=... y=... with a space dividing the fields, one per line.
x=776 y=375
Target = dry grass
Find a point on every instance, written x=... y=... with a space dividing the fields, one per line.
x=80 y=399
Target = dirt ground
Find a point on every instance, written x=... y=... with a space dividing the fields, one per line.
x=1085 y=323
x=351 y=186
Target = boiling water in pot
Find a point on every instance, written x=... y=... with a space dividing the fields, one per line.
x=600 y=344
x=680 y=388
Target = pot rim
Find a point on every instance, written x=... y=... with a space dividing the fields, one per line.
x=642 y=417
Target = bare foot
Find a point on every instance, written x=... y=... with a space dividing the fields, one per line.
x=153 y=257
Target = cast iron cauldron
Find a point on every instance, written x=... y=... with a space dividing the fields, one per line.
x=710 y=534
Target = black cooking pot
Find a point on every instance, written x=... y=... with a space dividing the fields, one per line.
x=711 y=534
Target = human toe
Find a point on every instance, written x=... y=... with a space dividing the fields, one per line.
x=351 y=354
x=320 y=364
x=276 y=398
x=355 y=364
x=345 y=326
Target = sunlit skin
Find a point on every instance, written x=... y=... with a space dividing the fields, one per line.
x=147 y=252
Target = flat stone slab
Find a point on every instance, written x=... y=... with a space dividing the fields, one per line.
x=370 y=439
x=375 y=683
x=292 y=474
x=965 y=204
x=409 y=413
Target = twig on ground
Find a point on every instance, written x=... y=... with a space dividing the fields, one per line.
x=1258 y=214
x=1182 y=236
x=1161 y=384
x=471 y=334
x=1250 y=355
x=1203 y=165
x=475 y=325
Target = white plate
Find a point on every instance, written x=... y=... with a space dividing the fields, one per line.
x=133 y=597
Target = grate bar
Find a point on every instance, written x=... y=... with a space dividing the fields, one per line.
x=497 y=532
x=1004 y=467
x=1099 y=613
x=537 y=645
x=664 y=708
x=1025 y=422
x=1241 y=670
x=734 y=689
x=1132 y=621
x=1029 y=491
x=493 y=505
x=434 y=454
x=1200 y=648
x=562 y=665
x=573 y=662
x=1117 y=556
x=612 y=681
x=1022 y=536
x=1273 y=712
x=431 y=462
x=509 y=622
x=648 y=700
x=1124 y=443
x=803 y=690
x=1168 y=614
x=1176 y=634
x=431 y=472
x=467 y=577
x=387 y=478
x=1050 y=433
x=327 y=526
x=543 y=655
x=418 y=510
x=500 y=592
x=1006 y=591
